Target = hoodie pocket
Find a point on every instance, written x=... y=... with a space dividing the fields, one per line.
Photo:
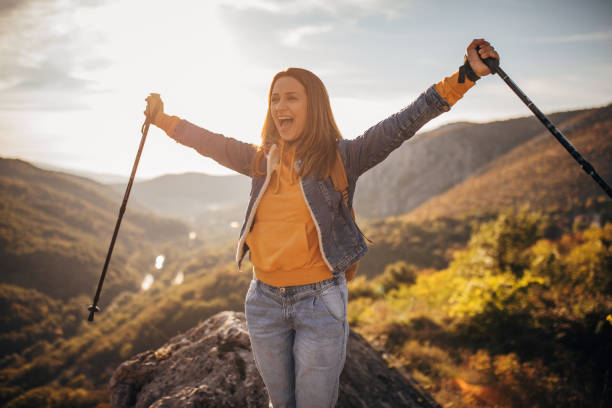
x=277 y=245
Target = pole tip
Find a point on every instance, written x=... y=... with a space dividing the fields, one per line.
x=92 y=309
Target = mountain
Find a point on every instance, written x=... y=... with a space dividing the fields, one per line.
x=539 y=172
x=432 y=162
x=55 y=230
x=188 y=194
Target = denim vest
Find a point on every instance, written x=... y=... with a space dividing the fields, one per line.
x=340 y=241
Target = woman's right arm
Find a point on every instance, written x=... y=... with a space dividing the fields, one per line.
x=380 y=140
x=226 y=151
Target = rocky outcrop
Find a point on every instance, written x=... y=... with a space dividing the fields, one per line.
x=211 y=365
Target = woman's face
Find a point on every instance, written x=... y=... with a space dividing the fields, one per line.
x=289 y=108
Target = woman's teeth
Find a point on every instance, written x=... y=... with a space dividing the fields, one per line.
x=285 y=124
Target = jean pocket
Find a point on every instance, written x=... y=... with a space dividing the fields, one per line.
x=251 y=291
x=334 y=300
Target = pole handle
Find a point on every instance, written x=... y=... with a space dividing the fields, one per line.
x=154 y=105
x=492 y=63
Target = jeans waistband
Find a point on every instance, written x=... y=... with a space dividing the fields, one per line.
x=299 y=291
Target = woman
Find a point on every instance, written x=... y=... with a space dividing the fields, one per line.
x=298 y=228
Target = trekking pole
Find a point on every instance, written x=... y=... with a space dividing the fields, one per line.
x=152 y=110
x=493 y=65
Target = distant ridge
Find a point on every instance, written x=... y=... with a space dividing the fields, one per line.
x=539 y=172
x=188 y=195
x=104 y=178
x=433 y=162
x=213 y=206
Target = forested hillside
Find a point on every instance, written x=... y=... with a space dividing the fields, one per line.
x=516 y=319
x=55 y=230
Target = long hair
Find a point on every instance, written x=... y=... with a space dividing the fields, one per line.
x=316 y=147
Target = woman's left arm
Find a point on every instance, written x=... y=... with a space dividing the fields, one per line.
x=380 y=140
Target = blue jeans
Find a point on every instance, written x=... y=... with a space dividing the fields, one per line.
x=298 y=335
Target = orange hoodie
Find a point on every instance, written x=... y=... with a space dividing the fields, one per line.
x=283 y=242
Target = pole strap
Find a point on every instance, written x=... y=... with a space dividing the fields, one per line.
x=466 y=70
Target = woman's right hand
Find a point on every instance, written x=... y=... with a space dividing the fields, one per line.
x=154 y=106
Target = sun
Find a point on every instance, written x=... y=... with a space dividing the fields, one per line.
x=189 y=57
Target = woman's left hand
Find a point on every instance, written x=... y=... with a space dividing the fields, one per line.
x=475 y=56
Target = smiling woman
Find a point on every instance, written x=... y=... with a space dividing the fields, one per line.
x=289 y=107
x=298 y=227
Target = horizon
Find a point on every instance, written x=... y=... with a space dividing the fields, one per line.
x=74 y=75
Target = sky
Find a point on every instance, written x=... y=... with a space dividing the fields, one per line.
x=74 y=74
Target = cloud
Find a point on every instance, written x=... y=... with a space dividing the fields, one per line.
x=388 y=8
x=596 y=36
x=271 y=6
x=42 y=50
x=8 y=5
x=293 y=37
x=356 y=46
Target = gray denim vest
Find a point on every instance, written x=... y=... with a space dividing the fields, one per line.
x=340 y=241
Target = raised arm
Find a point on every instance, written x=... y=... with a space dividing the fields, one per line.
x=376 y=143
x=226 y=151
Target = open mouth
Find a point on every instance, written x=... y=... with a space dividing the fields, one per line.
x=285 y=123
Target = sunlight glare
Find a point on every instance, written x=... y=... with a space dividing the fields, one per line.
x=178 y=279
x=159 y=261
x=191 y=59
x=147 y=282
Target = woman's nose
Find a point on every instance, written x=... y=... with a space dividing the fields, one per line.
x=281 y=105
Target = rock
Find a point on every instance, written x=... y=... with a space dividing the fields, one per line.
x=211 y=365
